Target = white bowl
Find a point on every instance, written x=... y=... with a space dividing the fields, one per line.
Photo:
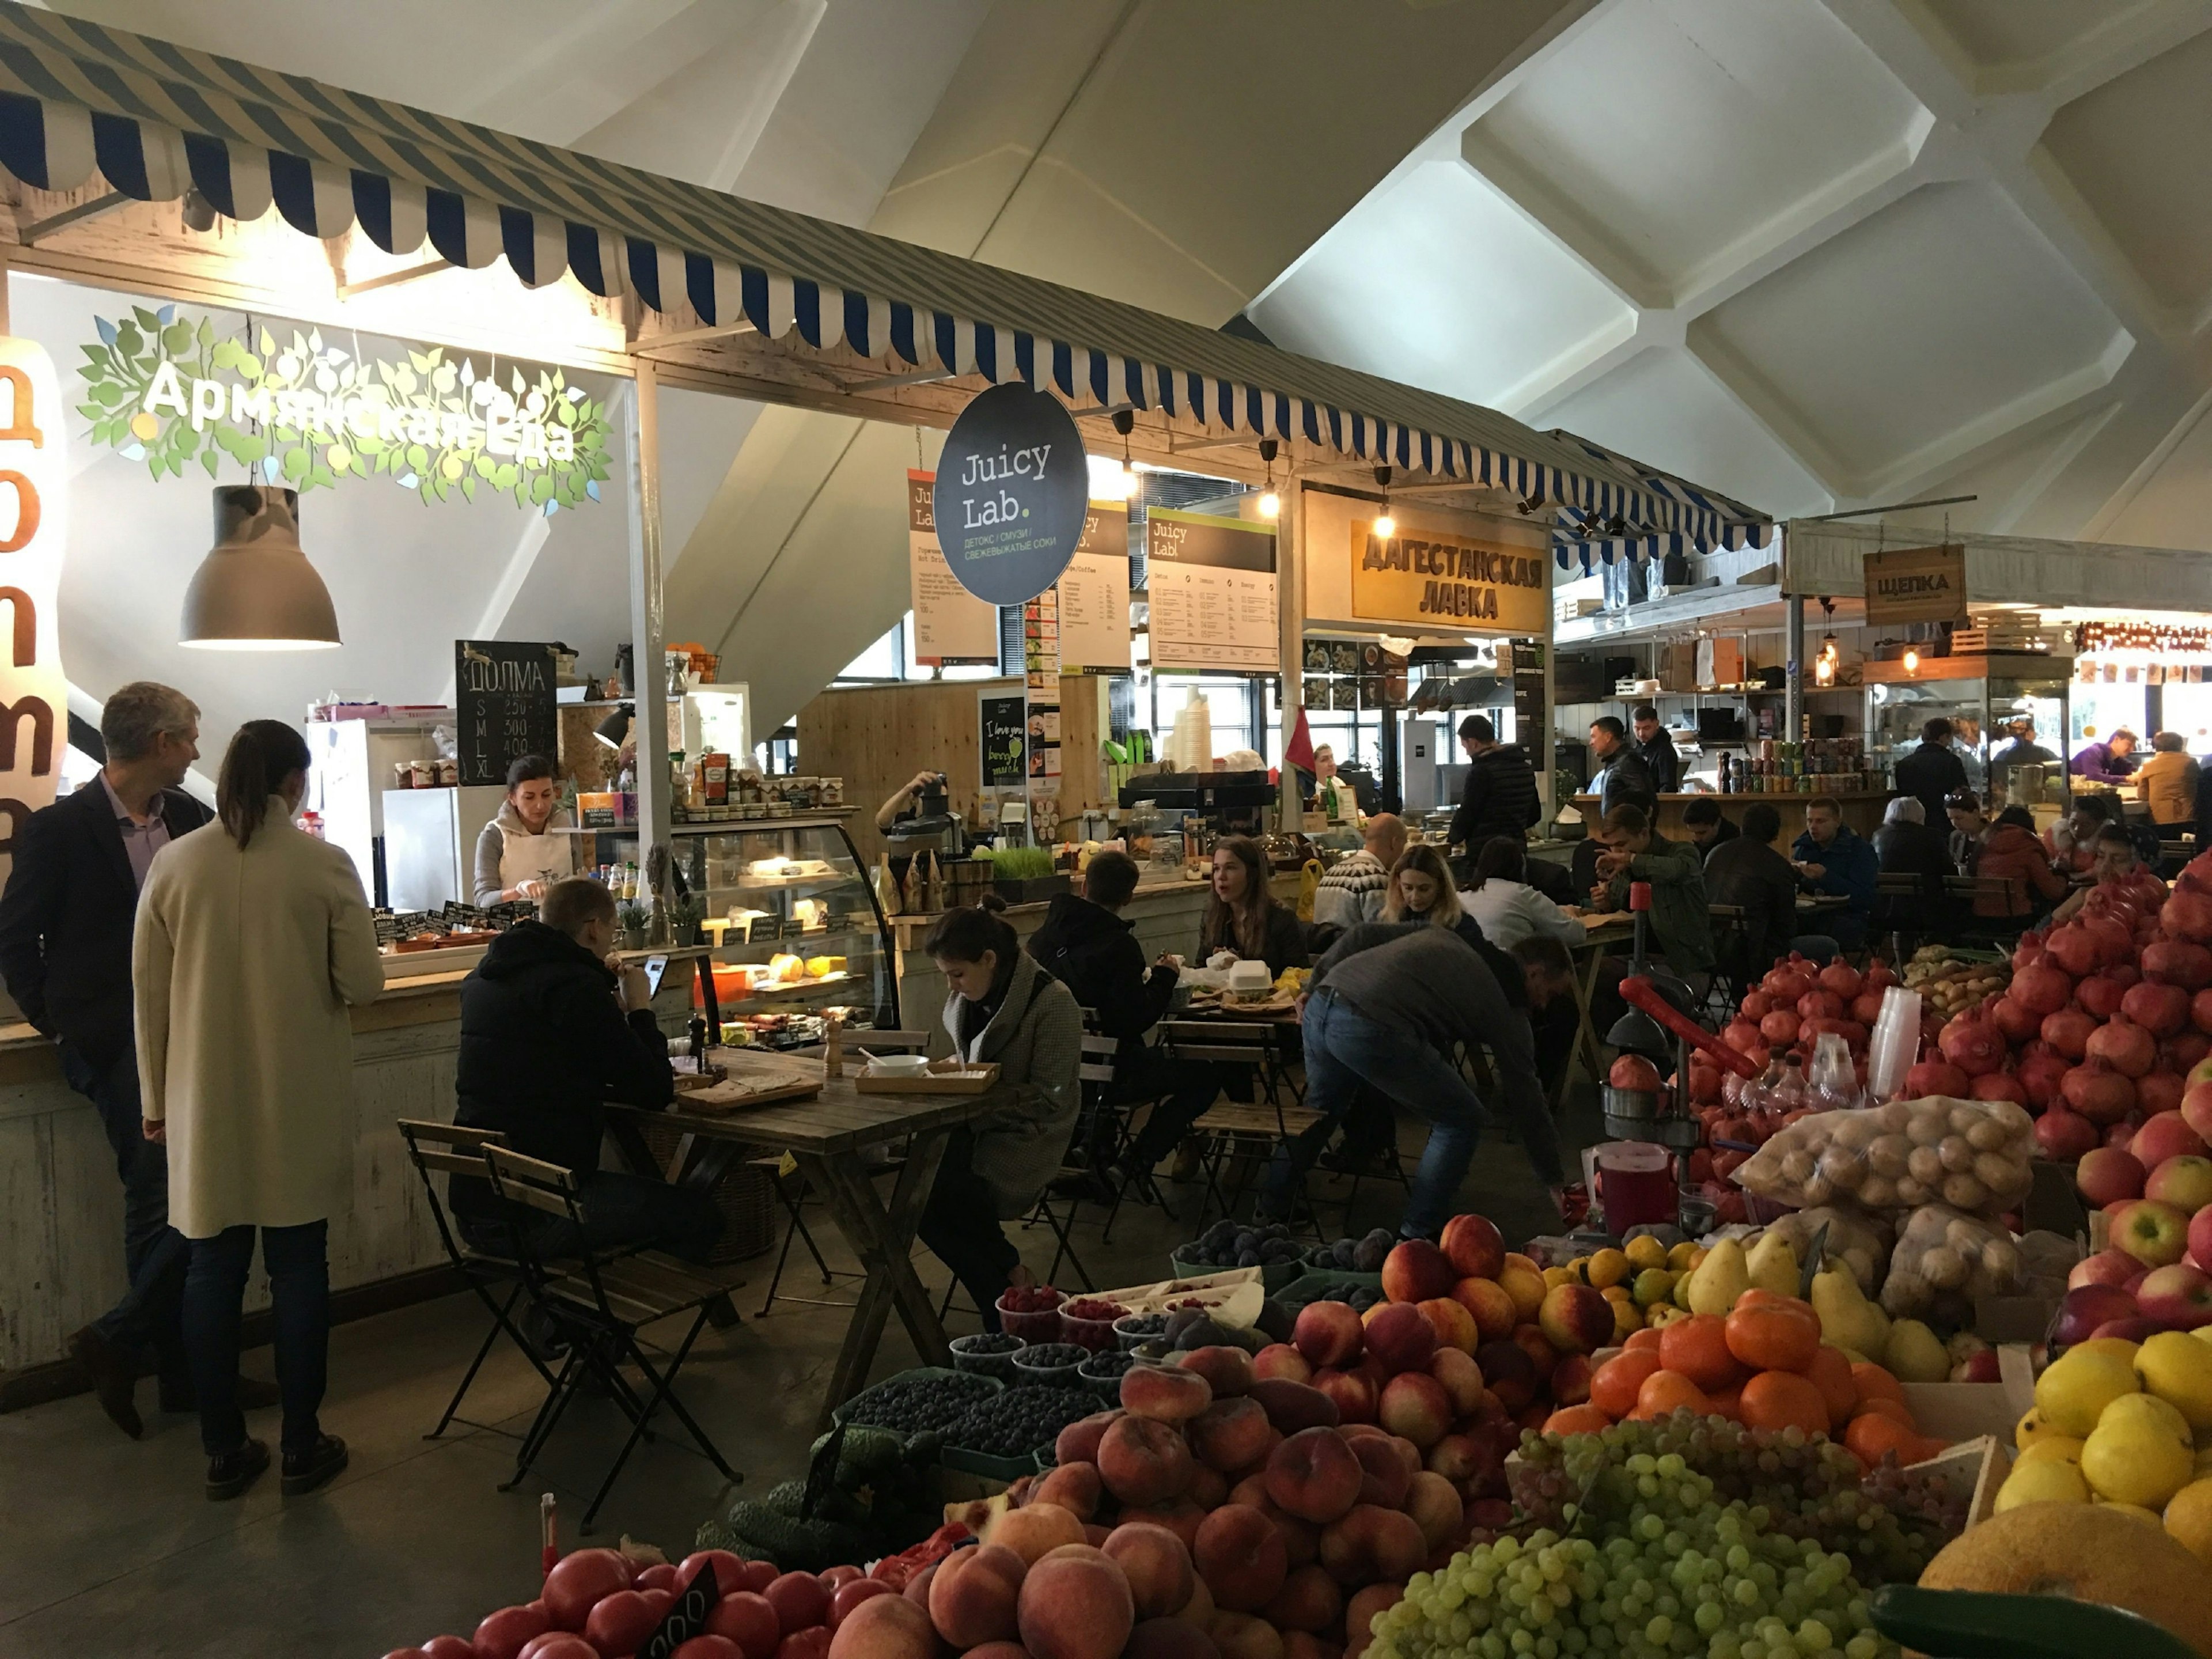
x=898 y=1065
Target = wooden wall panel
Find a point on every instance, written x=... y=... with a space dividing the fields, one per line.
x=878 y=737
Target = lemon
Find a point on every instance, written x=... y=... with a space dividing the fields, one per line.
x=1617 y=1293
x=2059 y=1447
x=1627 y=1319
x=2189 y=1518
x=2180 y=1371
x=2151 y=1412
x=2112 y=1345
x=1645 y=1251
x=2133 y=1511
x=2032 y=1428
x=1608 y=1267
x=2134 y=1461
x=1684 y=1256
x=1555 y=1277
x=2072 y=1393
x=1653 y=1284
x=2042 y=1482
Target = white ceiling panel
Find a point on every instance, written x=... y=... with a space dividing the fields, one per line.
x=1663 y=408
x=2009 y=33
x=1438 y=282
x=1912 y=330
x=1666 y=132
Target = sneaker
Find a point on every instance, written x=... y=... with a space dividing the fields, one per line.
x=230 y=1474
x=304 y=1471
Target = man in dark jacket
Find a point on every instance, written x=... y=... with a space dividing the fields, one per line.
x=1501 y=796
x=65 y=924
x=1655 y=747
x=1623 y=779
x=1932 y=771
x=1751 y=874
x=551 y=1032
x=1085 y=945
x=1707 y=825
x=1831 y=859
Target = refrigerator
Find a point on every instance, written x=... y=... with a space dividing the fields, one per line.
x=350 y=784
x=430 y=843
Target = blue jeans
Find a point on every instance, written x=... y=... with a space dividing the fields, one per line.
x=1344 y=1048
x=147 y=1322
x=298 y=1262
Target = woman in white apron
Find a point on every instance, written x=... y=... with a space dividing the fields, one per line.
x=523 y=850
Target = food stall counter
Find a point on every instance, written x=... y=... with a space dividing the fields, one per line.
x=1862 y=810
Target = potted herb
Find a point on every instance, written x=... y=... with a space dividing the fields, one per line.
x=1026 y=875
x=635 y=922
x=684 y=915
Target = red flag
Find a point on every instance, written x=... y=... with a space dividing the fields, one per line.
x=1300 y=751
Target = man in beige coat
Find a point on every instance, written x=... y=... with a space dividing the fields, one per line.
x=252 y=939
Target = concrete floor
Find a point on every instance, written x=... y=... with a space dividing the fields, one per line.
x=116 y=1550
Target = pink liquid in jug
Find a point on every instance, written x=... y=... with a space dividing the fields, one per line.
x=1635 y=1185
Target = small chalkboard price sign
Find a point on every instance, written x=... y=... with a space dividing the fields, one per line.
x=503 y=691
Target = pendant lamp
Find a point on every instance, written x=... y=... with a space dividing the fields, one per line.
x=255 y=590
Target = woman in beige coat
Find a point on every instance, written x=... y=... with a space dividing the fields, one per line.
x=253 y=939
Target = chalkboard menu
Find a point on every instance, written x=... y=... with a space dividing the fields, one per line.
x=503 y=691
x=1005 y=723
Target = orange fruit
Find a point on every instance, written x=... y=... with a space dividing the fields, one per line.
x=1646 y=1338
x=1873 y=1433
x=1831 y=1373
x=1883 y=1406
x=1729 y=1403
x=1698 y=1348
x=1775 y=1336
x=1873 y=1382
x=1614 y=1385
x=1669 y=1391
x=1576 y=1419
x=1774 y=1400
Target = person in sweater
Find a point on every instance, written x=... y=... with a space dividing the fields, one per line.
x=1749 y=874
x=1388 y=1005
x=1506 y=908
x=253 y=943
x=1501 y=797
x=1708 y=826
x=1830 y=858
x=1243 y=917
x=1906 y=845
x=1622 y=779
x=1932 y=770
x=1655 y=746
x=1005 y=1009
x=1085 y=944
x=551 y=1029
x=2012 y=853
x=1352 y=890
x=526 y=847
x=1681 y=926
x=2168 y=781
x=2110 y=762
x=1969 y=824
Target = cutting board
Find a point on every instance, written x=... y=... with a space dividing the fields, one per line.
x=748 y=1080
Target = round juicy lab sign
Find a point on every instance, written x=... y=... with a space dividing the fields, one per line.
x=1012 y=487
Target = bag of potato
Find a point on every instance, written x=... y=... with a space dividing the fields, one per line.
x=1943 y=1252
x=1861 y=1241
x=1972 y=1155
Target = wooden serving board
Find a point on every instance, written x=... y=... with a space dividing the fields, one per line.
x=748 y=1080
x=945 y=1077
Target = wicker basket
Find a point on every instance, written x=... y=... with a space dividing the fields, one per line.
x=746 y=1195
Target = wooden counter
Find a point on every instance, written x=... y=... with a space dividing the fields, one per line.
x=1862 y=810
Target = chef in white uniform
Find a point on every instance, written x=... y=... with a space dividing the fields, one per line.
x=523 y=850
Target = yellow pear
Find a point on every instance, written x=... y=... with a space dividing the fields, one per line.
x=1848 y=1320
x=2073 y=1392
x=1915 y=1354
x=2178 y=1371
x=1719 y=1280
x=1772 y=1265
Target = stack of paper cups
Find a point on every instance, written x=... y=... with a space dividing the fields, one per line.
x=1895 y=1043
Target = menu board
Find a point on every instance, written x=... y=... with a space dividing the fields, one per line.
x=951 y=626
x=1212 y=583
x=1003 y=748
x=503 y=691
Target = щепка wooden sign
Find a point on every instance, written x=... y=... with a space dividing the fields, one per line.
x=1916 y=585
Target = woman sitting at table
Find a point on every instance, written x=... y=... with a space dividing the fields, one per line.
x=1505 y=905
x=1007 y=1011
x=1243 y=917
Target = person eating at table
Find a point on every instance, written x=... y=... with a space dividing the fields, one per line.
x=1242 y=918
x=2071 y=841
x=526 y=848
x=553 y=1027
x=1708 y=825
x=2011 y=853
x=1751 y=876
x=1832 y=858
x=1681 y=928
x=1003 y=1010
x=1969 y=824
x=1353 y=889
x=2115 y=857
x=1505 y=906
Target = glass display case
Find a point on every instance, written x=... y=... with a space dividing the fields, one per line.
x=792 y=925
x=1983 y=710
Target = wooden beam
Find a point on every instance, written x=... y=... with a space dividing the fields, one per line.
x=67 y=217
x=685 y=337
x=394 y=279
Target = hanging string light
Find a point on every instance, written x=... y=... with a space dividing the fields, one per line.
x=1385 y=525
x=1271 y=504
x=1125 y=423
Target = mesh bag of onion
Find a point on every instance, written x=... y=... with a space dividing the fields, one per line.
x=1971 y=1154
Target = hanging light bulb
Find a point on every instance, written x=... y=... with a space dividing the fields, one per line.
x=255 y=590
x=1386 y=526
x=1125 y=423
x=1911 y=660
x=1271 y=504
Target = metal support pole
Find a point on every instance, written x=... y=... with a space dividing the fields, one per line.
x=1793 y=702
x=1547 y=752
x=1291 y=611
x=649 y=659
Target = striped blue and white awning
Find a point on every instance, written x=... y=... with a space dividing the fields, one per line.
x=79 y=102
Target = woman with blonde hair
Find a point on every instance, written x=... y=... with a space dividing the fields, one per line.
x=252 y=941
x=1421 y=888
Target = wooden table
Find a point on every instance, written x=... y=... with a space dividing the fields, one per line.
x=827 y=1136
x=1601 y=931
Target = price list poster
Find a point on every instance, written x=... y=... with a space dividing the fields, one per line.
x=1212 y=590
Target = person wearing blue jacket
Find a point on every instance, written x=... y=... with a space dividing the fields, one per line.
x=1830 y=859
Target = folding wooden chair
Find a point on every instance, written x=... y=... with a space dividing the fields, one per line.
x=1099 y=1135
x=1731 y=954
x=451 y=1149
x=1896 y=894
x=1991 y=930
x=599 y=1301
x=1233 y=1128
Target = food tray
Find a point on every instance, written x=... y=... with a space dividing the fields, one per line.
x=1005 y=1470
x=750 y=1081
x=1274 y=1275
x=840 y=1414
x=945 y=1077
